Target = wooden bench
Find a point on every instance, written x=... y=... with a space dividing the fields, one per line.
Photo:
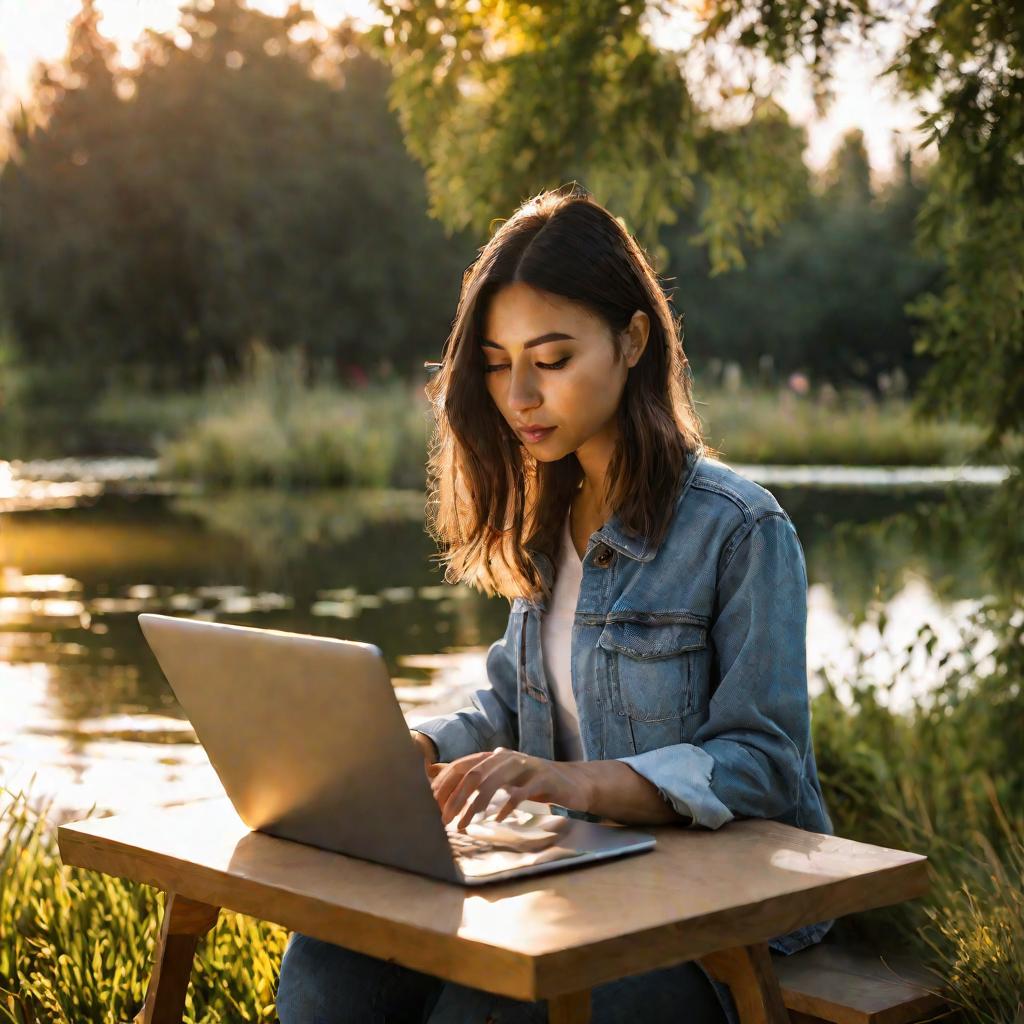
x=715 y=896
x=841 y=984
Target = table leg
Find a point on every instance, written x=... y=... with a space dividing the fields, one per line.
x=749 y=973
x=185 y=922
x=571 y=1008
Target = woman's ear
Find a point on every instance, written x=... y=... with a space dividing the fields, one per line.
x=635 y=341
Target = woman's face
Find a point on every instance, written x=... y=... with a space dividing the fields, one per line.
x=552 y=369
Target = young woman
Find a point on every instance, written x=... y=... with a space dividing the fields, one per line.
x=653 y=668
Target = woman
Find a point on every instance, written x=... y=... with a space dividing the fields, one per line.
x=653 y=668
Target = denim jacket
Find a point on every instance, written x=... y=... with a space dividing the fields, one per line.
x=688 y=663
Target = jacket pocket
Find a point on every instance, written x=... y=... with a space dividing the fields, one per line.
x=653 y=667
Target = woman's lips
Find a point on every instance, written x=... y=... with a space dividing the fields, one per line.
x=533 y=436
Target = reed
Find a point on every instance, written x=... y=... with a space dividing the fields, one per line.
x=281 y=424
x=829 y=428
x=276 y=426
x=76 y=946
x=943 y=778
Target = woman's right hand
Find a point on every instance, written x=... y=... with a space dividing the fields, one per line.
x=429 y=751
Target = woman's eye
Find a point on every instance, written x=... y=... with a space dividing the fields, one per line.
x=544 y=366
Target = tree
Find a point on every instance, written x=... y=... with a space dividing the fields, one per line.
x=965 y=61
x=227 y=190
x=499 y=101
x=52 y=228
x=848 y=178
x=828 y=295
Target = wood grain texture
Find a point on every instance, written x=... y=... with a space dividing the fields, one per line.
x=185 y=921
x=847 y=985
x=542 y=936
x=748 y=972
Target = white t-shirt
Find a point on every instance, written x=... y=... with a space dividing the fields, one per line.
x=556 y=646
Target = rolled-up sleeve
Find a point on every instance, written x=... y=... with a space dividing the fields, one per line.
x=747 y=759
x=493 y=720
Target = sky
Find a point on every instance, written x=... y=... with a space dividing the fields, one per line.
x=31 y=30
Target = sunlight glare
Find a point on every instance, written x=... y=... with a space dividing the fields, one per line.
x=38 y=31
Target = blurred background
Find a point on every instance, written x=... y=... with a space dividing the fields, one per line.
x=231 y=234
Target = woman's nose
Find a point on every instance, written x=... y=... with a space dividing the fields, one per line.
x=523 y=393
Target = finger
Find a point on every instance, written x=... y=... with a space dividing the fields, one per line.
x=516 y=795
x=435 y=769
x=450 y=776
x=501 y=776
x=447 y=780
x=474 y=781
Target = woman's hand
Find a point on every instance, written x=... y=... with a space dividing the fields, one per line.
x=522 y=776
x=427 y=748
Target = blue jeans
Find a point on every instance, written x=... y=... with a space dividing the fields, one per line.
x=325 y=984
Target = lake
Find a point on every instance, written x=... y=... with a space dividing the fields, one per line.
x=87 y=719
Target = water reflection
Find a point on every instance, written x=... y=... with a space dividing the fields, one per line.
x=86 y=709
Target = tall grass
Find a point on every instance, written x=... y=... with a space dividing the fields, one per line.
x=828 y=428
x=281 y=425
x=275 y=426
x=946 y=779
x=76 y=946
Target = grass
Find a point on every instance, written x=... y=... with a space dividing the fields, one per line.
x=281 y=425
x=828 y=428
x=944 y=779
x=274 y=427
x=76 y=946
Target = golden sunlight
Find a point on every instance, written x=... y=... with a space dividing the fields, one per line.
x=37 y=31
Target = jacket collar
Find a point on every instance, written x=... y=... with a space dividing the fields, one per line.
x=638 y=547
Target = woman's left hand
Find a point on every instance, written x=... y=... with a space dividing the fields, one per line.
x=522 y=776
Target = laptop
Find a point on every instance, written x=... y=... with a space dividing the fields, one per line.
x=310 y=743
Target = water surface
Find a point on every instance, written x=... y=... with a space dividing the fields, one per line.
x=87 y=718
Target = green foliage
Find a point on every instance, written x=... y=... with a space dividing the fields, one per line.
x=827 y=296
x=963 y=61
x=944 y=779
x=828 y=428
x=230 y=188
x=970 y=58
x=500 y=101
x=274 y=426
x=76 y=946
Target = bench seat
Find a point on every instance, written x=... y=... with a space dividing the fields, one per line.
x=844 y=984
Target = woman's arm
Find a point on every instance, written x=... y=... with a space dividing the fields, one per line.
x=426 y=745
x=614 y=790
x=746 y=760
x=607 y=789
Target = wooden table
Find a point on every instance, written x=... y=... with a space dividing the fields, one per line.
x=713 y=896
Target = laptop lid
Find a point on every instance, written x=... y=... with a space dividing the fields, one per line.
x=307 y=739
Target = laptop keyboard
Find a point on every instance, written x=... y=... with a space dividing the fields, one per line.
x=465 y=845
x=522 y=832
x=496 y=848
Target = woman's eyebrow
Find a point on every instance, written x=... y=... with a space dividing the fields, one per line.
x=553 y=336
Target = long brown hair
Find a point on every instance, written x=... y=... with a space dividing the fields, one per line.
x=491 y=504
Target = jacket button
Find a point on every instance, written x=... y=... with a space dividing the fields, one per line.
x=603 y=557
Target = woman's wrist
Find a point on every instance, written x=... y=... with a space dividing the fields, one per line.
x=612 y=789
x=426 y=744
